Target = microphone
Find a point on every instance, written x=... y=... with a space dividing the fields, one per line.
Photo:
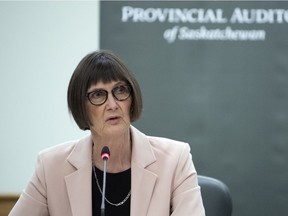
x=105 y=155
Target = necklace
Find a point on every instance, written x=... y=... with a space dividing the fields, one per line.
x=113 y=204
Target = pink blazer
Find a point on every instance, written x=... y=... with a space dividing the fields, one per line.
x=163 y=182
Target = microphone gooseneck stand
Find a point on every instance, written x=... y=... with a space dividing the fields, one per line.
x=105 y=155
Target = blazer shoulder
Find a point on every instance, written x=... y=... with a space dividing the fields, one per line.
x=166 y=143
x=62 y=150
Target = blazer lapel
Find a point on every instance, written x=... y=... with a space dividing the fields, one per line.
x=78 y=183
x=143 y=180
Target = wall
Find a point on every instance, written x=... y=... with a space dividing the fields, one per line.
x=213 y=74
x=40 y=45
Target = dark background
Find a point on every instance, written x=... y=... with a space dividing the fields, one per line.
x=228 y=99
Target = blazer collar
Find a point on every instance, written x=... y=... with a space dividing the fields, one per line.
x=78 y=182
x=82 y=153
x=143 y=179
x=142 y=153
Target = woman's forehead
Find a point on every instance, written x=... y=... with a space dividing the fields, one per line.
x=105 y=85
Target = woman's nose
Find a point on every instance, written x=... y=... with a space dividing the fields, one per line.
x=111 y=102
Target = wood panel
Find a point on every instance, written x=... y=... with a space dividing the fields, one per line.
x=7 y=201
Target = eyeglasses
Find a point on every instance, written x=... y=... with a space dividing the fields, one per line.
x=100 y=96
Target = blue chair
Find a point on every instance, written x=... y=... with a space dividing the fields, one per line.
x=216 y=196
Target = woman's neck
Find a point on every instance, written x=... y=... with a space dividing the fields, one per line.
x=120 y=152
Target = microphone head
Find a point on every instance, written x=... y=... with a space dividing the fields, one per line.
x=105 y=153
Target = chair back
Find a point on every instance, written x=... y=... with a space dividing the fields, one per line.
x=216 y=196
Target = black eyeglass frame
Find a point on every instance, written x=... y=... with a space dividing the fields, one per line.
x=113 y=94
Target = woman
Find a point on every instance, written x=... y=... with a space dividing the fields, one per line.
x=145 y=175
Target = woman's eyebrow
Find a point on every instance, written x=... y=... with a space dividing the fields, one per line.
x=119 y=83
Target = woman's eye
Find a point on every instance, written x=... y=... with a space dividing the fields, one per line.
x=99 y=93
x=120 y=89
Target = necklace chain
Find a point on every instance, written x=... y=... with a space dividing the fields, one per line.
x=113 y=204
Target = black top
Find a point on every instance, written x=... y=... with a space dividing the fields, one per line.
x=118 y=186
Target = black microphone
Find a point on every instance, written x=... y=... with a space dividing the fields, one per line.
x=105 y=155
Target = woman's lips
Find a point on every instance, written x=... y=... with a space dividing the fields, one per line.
x=113 y=119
